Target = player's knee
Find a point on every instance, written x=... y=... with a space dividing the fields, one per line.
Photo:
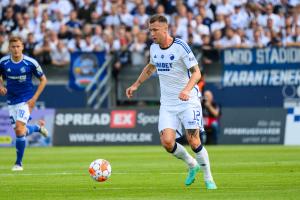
x=168 y=144
x=20 y=130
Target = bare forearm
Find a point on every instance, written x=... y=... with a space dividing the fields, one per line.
x=146 y=73
x=196 y=75
x=41 y=86
x=1 y=82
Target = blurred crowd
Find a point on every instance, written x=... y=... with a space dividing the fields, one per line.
x=52 y=29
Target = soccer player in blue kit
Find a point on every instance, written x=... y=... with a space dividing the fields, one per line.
x=178 y=73
x=17 y=69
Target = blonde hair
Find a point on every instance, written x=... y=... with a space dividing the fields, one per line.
x=15 y=39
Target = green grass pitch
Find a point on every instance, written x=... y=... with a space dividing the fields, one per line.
x=149 y=173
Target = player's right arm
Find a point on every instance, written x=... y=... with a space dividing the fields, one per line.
x=146 y=73
x=3 y=89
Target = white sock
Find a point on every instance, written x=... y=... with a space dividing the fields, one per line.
x=203 y=160
x=181 y=153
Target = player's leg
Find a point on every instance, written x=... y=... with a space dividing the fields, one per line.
x=20 y=131
x=191 y=120
x=19 y=115
x=201 y=156
x=40 y=127
x=167 y=138
x=168 y=122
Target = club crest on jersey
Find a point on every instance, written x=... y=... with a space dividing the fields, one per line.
x=23 y=70
x=155 y=56
x=171 y=56
x=162 y=56
x=8 y=70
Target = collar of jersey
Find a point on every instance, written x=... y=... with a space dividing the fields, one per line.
x=16 y=62
x=167 y=46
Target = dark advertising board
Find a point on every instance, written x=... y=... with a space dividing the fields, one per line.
x=272 y=74
x=81 y=127
x=252 y=126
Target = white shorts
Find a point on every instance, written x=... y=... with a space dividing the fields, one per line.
x=19 y=112
x=190 y=116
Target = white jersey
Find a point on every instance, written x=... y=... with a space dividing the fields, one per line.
x=172 y=65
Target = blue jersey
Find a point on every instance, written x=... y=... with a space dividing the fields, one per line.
x=18 y=78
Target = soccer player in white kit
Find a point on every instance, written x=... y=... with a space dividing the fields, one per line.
x=178 y=73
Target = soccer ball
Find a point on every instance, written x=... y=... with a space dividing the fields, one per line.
x=100 y=170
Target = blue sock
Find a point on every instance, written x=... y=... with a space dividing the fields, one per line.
x=20 y=146
x=32 y=128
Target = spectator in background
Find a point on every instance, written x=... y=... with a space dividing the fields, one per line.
x=231 y=39
x=211 y=114
x=77 y=43
x=3 y=44
x=161 y=11
x=205 y=11
x=141 y=16
x=73 y=22
x=60 y=55
x=217 y=36
x=40 y=33
x=89 y=45
x=59 y=20
x=125 y=17
x=29 y=45
x=35 y=4
x=250 y=30
x=8 y=21
x=45 y=19
x=209 y=54
x=113 y=19
x=123 y=58
x=138 y=49
x=62 y=6
x=84 y=12
x=97 y=39
x=64 y=34
x=257 y=41
x=53 y=38
x=111 y=44
x=42 y=51
x=21 y=30
x=226 y=8
x=151 y=7
x=35 y=21
x=219 y=23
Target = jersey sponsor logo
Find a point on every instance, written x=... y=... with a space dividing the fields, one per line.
x=163 y=66
x=123 y=119
x=19 y=78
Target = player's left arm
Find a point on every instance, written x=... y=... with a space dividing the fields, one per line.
x=194 y=79
x=38 y=72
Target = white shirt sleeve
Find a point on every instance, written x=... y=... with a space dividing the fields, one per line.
x=151 y=56
x=189 y=60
